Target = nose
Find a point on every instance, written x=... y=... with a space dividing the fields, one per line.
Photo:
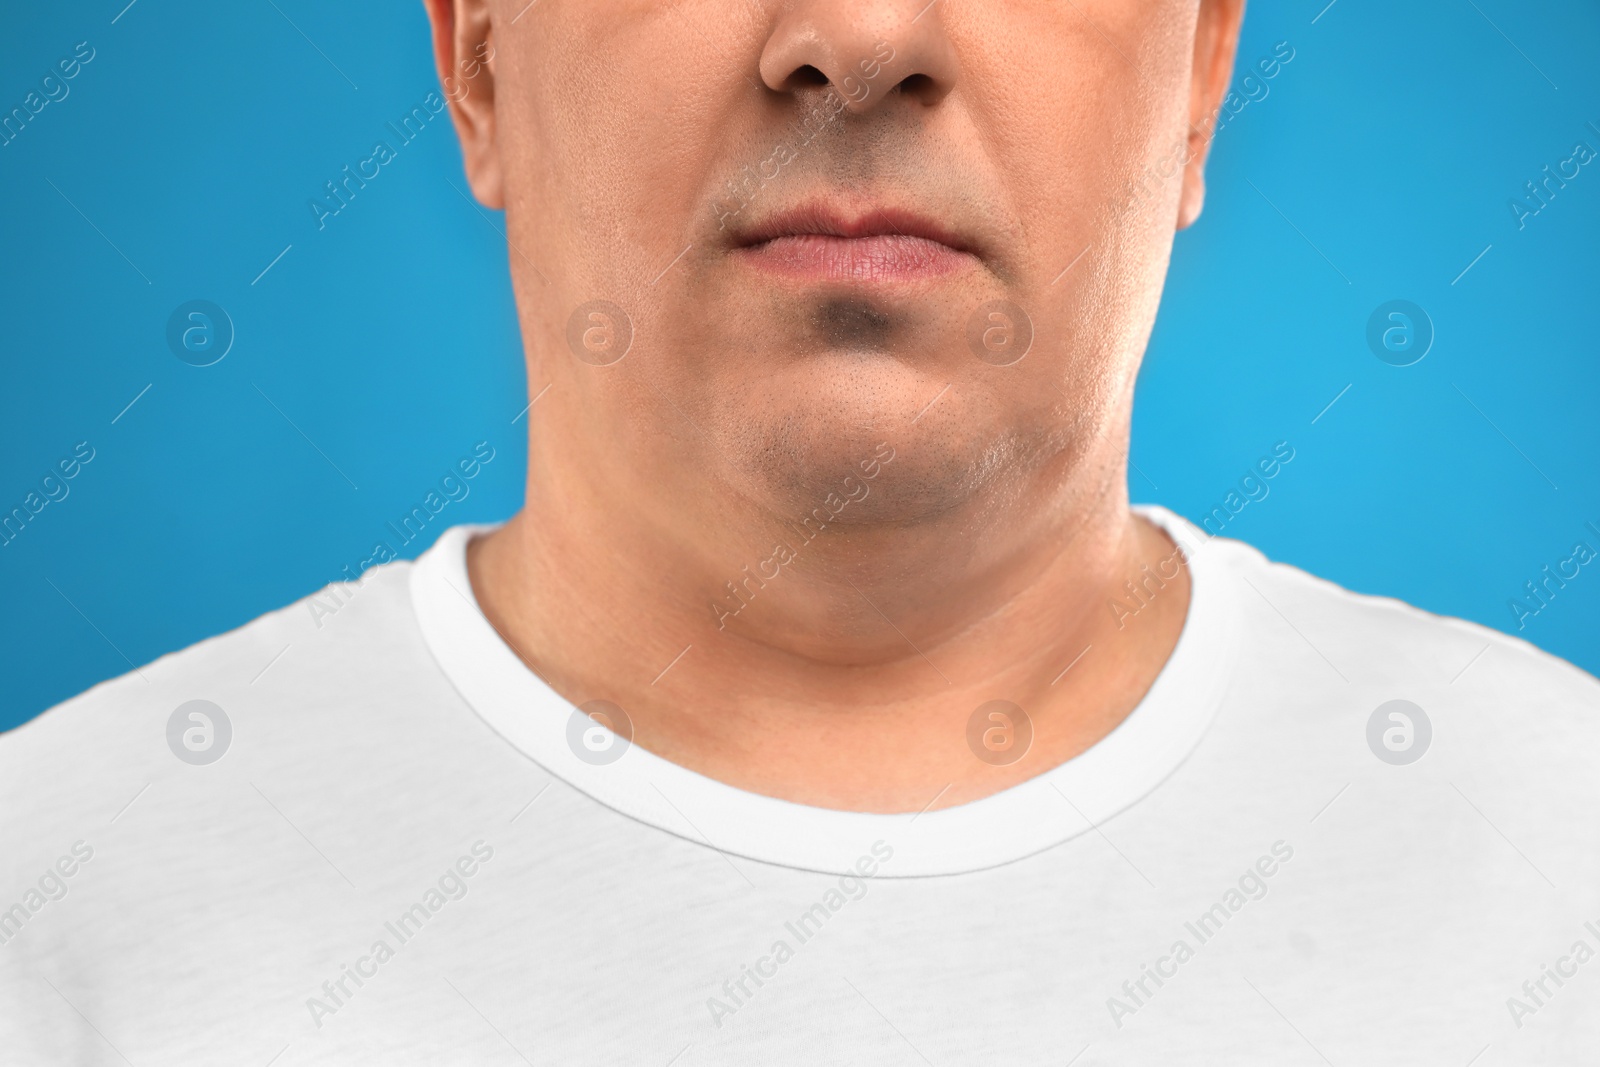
x=866 y=51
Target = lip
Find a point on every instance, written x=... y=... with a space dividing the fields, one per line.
x=818 y=242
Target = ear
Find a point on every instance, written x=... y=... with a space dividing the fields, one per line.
x=1216 y=40
x=463 y=50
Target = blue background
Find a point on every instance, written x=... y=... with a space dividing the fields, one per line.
x=1379 y=165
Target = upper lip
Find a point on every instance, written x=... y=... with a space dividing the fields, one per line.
x=826 y=220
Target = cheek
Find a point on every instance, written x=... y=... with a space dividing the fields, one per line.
x=1074 y=105
x=615 y=127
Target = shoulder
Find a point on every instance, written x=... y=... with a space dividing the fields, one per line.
x=231 y=785
x=1385 y=643
x=68 y=768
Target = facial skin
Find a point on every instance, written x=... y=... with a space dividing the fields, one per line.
x=801 y=210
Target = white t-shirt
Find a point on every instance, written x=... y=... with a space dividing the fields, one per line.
x=382 y=840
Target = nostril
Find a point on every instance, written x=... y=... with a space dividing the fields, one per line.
x=808 y=75
x=919 y=85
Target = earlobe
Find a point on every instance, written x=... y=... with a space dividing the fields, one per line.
x=463 y=52
x=1192 y=198
x=1192 y=192
x=1216 y=42
x=483 y=165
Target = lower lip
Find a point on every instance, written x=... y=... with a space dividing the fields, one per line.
x=885 y=258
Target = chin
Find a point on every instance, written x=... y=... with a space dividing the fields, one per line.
x=846 y=437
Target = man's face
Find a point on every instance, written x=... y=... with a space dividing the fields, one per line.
x=820 y=226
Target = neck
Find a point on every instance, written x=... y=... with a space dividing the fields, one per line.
x=834 y=662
